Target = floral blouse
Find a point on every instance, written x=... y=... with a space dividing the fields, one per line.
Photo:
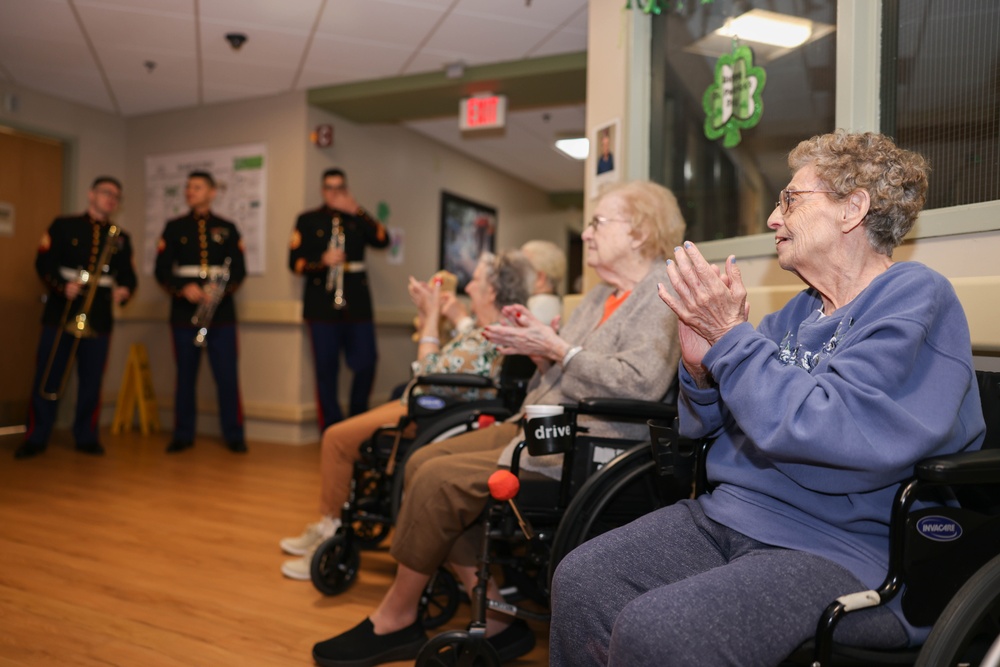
x=468 y=352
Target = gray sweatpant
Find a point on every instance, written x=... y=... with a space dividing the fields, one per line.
x=676 y=588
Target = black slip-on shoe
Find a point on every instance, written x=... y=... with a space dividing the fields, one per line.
x=237 y=447
x=361 y=647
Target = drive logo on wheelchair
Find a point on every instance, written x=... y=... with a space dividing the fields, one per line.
x=939 y=528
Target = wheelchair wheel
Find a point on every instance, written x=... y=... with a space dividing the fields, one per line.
x=969 y=624
x=334 y=566
x=440 y=600
x=626 y=488
x=456 y=648
x=371 y=530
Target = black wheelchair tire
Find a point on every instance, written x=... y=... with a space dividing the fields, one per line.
x=969 y=623
x=440 y=600
x=577 y=525
x=334 y=565
x=456 y=647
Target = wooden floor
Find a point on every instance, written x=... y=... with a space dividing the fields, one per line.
x=140 y=558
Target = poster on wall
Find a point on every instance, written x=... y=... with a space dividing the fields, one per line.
x=607 y=156
x=468 y=229
x=240 y=173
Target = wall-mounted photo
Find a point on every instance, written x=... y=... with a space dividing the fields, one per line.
x=467 y=230
x=606 y=147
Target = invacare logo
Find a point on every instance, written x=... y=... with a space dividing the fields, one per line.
x=939 y=528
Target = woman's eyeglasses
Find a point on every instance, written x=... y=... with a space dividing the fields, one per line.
x=785 y=198
x=599 y=220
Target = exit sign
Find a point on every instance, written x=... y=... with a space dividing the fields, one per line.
x=482 y=112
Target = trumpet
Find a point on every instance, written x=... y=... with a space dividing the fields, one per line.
x=80 y=326
x=216 y=287
x=335 y=277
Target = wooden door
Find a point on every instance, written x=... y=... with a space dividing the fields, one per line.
x=31 y=178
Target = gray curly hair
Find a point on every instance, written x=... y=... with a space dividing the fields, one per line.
x=894 y=178
x=510 y=274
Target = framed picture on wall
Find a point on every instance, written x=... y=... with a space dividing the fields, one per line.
x=606 y=146
x=468 y=229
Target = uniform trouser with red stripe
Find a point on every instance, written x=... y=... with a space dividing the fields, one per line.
x=91 y=359
x=222 y=346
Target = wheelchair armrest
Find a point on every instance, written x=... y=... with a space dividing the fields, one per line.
x=455 y=380
x=982 y=467
x=626 y=407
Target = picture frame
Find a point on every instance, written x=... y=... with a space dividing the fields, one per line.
x=607 y=150
x=468 y=229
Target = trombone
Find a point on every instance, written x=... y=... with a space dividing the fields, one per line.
x=80 y=326
x=335 y=277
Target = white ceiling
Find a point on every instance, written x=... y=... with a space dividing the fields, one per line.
x=94 y=52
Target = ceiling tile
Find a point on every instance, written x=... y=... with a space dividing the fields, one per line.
x=51 y=20
x=352 y=60
x=403 y=25
x=82 y=85
x=564 y=41
x=539 y=13
x=291 y=15
x=477 y=40
x=166 y=33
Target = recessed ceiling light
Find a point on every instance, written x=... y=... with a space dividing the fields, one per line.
x=771 y=34
x=577 y=148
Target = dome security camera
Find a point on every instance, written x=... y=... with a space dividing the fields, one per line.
x=236 y=40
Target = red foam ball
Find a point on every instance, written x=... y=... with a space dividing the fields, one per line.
x=485 y=420
x=504 y=485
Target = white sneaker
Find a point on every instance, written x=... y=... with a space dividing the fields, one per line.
x=313 y=535
x=299 y=568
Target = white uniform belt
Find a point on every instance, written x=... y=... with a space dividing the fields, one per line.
x=354 y=267
x=196 y=271
x=76 y=276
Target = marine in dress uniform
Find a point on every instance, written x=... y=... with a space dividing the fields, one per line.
x=349 y=329
x=192 y=252
x=68 y=253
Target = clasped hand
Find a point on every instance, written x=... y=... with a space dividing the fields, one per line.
x=526 y=335
x=707 y=302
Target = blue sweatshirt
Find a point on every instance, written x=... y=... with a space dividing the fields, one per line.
x=817 y=419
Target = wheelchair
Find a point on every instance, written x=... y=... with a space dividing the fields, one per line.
x=376 y=485
x=944 y=559
x=605 y=483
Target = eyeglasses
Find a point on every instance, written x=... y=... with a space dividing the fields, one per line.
x=107 y=192
x=785 y=198
x=599 y=220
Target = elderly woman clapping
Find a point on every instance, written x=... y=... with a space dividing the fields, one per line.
x=497 y=282
x=816 y=416
x=620 y=341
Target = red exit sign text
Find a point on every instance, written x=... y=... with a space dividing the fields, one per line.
x=482 y=112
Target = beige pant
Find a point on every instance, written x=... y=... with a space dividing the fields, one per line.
x=445 y=491
x=341 y=448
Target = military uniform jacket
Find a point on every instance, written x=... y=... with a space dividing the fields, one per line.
x=191 y=250
x=73 y=244
x=311 y=239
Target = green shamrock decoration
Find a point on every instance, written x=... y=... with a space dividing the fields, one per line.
x=734 y=101
x=382 y=211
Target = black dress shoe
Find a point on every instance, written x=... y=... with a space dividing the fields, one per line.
x=515 y=640
x=92 y=448
x=237 y=447
x=28 y=449
x=361 y=647
x=179 y=446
